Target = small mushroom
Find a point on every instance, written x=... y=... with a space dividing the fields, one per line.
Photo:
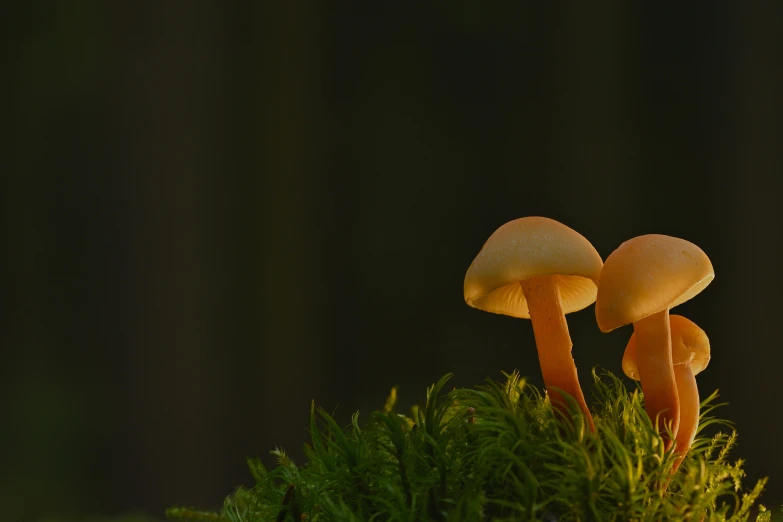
x=641 y=280
x=539 y=269
x=690 y=355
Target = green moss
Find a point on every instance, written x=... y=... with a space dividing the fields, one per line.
x=497 y=452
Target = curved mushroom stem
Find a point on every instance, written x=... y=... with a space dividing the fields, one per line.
x=689 y=410
x=554 y=344
x=656 y=371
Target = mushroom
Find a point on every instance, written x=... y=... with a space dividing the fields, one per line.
x=690 y=355
x=641 y=280
x=539 y=269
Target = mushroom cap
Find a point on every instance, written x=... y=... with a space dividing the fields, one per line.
x=531 y=247
x=689 y=345
x=649 y=274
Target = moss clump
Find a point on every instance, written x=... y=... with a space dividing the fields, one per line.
x=498 y=452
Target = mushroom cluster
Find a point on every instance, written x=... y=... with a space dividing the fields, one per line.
x=641 y=281
x=539 y=269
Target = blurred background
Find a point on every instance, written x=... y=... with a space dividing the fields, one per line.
x=218 y=211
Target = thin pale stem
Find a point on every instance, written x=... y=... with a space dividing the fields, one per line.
x=689 y=410
x=554 y=344
x=656 y=372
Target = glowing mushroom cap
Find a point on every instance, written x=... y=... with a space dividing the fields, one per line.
x=689 y=345
x=531 y=247
x=649 y=274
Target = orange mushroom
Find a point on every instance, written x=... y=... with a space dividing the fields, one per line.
x=690 y=355
x=640 y=282
x=539 y=269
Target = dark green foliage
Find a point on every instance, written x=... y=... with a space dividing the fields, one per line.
x=119 y=518
x=498 y=453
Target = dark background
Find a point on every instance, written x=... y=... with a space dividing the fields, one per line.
x=219 y=211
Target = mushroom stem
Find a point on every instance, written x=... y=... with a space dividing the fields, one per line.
x=656 y=371
x=689 y=410
x=554 y=344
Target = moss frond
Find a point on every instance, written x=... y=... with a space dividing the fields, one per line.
x=498 y=452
